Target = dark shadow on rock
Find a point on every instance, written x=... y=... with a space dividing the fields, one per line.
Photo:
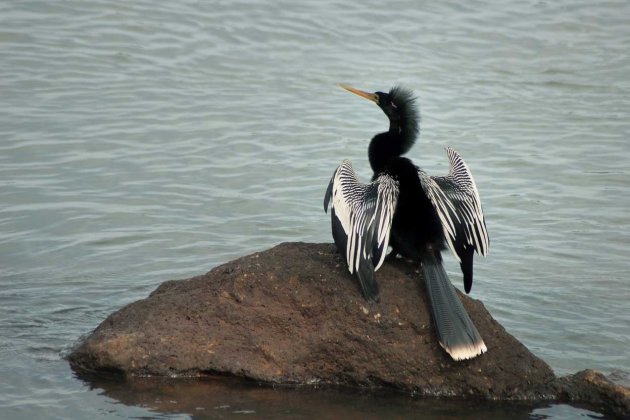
x=293 y=315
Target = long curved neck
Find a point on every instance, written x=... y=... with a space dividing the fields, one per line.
x=393 y=143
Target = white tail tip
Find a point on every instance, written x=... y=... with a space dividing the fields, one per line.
x=463 y=352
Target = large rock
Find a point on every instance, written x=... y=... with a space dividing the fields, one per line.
x=294 y=315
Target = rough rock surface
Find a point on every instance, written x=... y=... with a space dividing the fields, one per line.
x=294 y=315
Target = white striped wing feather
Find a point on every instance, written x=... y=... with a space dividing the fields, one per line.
x=456 y=200
x=365 y=212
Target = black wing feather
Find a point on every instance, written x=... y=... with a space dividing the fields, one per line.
x=456 y=200
x=361 y=221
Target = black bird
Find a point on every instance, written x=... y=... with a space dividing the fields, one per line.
x=416 y=214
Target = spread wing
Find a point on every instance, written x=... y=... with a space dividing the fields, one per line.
x=456 y=200
x=361 y=217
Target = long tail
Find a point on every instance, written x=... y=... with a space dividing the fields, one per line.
x=455 y=330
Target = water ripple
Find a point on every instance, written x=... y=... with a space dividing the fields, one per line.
x=146 y=141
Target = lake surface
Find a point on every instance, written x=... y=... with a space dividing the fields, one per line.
x=146 y=141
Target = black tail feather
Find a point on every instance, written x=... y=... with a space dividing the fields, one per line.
x=455 y=330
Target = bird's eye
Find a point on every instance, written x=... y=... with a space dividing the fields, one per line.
x=393 y=104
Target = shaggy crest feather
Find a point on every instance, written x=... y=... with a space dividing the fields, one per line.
x=405 y=101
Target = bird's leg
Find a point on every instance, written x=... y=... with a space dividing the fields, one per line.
x=392 y=255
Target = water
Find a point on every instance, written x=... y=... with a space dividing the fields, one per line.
x=144 y=141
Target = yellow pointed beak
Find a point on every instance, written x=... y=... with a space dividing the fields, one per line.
x=369 y=96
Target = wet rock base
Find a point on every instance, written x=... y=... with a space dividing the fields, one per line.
x=293 y=315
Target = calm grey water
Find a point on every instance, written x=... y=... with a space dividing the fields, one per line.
x=145 y=141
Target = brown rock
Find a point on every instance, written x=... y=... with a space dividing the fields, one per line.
x=294 y=315
x=593 y=387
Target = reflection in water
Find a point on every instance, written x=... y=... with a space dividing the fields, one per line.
x=220 y=397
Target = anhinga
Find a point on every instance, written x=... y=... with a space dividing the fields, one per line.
x=416 y=214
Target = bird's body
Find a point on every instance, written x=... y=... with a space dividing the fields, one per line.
x=416 y=214
x=416 y=226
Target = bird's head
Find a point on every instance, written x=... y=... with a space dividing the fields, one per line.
x=399 y=104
